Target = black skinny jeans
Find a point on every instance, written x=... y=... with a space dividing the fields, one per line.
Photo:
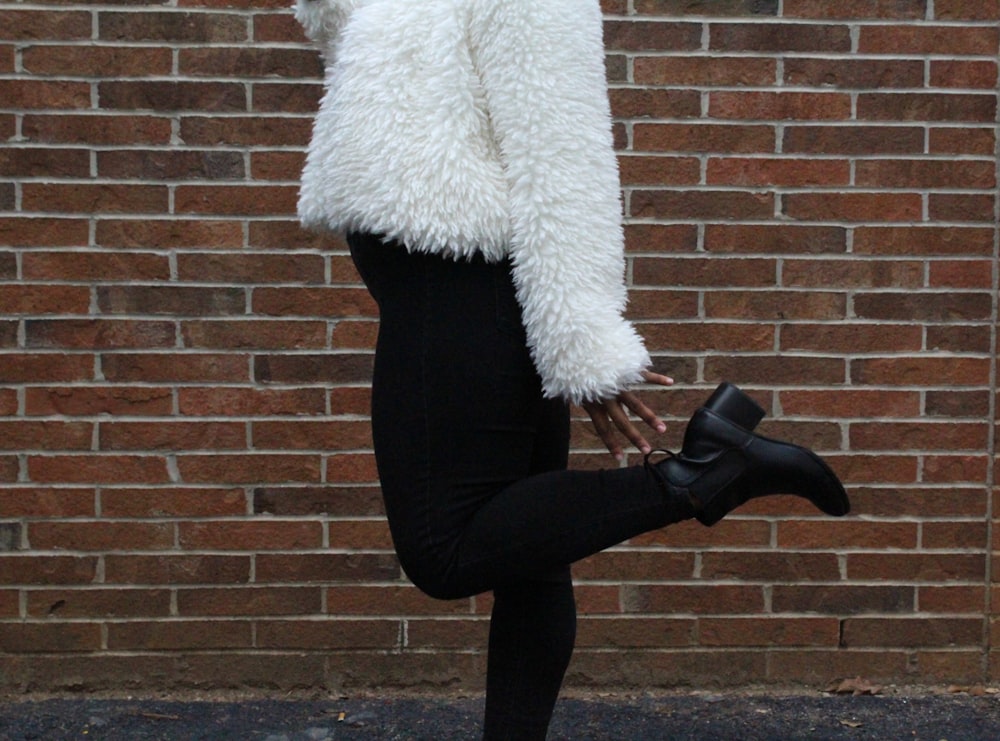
x=472 y=461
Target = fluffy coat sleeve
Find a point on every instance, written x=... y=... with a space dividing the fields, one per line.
x=541 y=65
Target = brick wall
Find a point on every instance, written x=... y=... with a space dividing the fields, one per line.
x=187 y=490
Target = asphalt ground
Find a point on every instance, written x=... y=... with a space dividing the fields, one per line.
x=928 y=715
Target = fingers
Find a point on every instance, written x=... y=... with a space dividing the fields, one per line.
x=658 y=378
x=616 y=410
x=599 y=415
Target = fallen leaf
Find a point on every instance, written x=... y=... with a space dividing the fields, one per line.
x=856 y=686
x=851 y=723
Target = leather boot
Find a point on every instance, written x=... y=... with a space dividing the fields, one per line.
x=723 y=464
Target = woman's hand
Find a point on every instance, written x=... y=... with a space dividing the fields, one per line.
x=609 y=414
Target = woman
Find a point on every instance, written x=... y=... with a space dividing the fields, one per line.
x=465 y=148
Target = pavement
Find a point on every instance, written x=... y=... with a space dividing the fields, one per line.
x=942 y=714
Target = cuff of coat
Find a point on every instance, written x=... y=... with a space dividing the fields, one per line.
x=591 y=372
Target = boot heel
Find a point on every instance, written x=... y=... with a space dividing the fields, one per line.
x=729 y=402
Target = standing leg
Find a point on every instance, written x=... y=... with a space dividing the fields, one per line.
x=532 y=632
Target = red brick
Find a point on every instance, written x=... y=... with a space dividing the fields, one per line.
x=775 y=239
x=100 y=469
x=45 y=94
x=361 y=534
x=329 y=634
x=714 y=71
x=785 y=172
x=235 y=200
x=954 y=535
x=172 y=233
x=716 y=8
x=955 y=73
x=172 y=436
x=10 y=601
x=199 y=28
x=851 y=139
x=97 y=61
x=925 y=174
x=172 y=570
x=923 y=240
x=180 y=635
x=9 y=468
x=249 y=62
x=640 y=565
x=276 y=165
x=389 y=600
x=853 y=206
x=40 y=299
x=98 y=334
x=174 y=368
x=707 y=137
x=775 y=305
x=964 y=140
x=44 y=162
x=777 y=37
x=96 y=129
x=171 y=165
x=641 y=36
x=282 y=28
x=855 y=9
x=701 y=204
x=700 y=599
x=950 y=632
x=254 y=334
x=632 y=632
x=100 y=536
x=961 y=207
x=293 y=97
x=314 y=302
x=336 y=500
x=310 y=435
x=46 y=368
x=43 y=232
x=83 y=603
x=310 y=369
x=350 y=401
x=35 y=569
x=847 y=534
x=850 y=402
x=637 y=170
x=905 y=567
x=173 y=96
x=249 y=468
x=921 y=371
x=984 y=10
x=22 y=435
x=928 y=39
x=952 y=469
x=95 y=266
x=325 y=567
x=769 y=631
x=696 y=337
x=701 y=271
x=50 y=637
x=250 y=268
x=239 y=601
x=842 y=599
x=853 y=273
x=262 y=131
x=248 y=402
x=646 y=103
x=457 y=633
x=46 y=502
x=250 y=535
x=351 y=468
x=926 y=107
x=914 y=435
x=780 y=106
x=146 y=503
x=90 y=401
x=854 y=73
x=46 y=25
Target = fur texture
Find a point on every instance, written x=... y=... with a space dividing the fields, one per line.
x=483 y=126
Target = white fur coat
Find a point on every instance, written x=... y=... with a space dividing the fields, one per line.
x=483 y=126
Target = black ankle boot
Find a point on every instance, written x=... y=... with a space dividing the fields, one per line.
x=723 y=464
